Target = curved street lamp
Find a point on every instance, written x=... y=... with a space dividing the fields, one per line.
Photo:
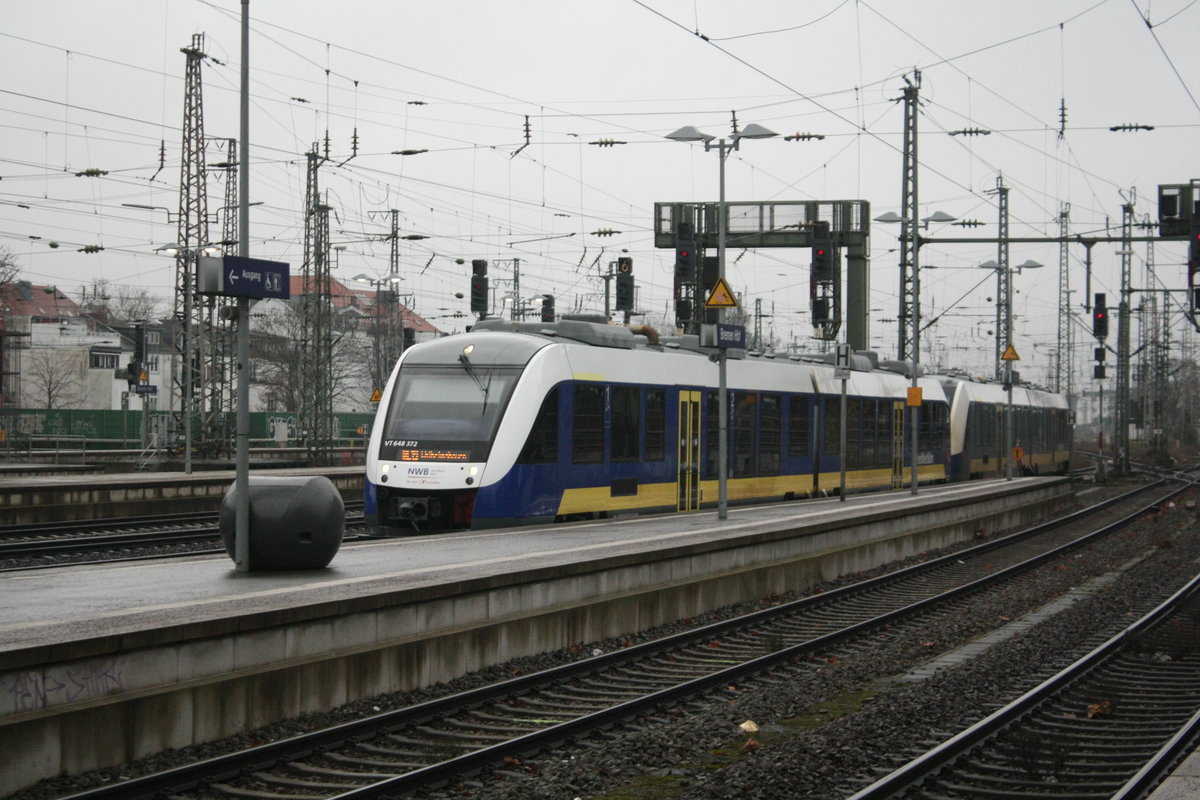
x=1004 y=304
x=690 y=133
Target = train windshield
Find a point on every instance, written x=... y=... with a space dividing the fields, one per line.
x=445 y=413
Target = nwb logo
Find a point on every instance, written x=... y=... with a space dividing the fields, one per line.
x=418 y=471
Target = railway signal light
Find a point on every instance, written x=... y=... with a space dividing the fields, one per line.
x=822 y=256
x=139 y=342
x=479 y=286
x=624 y=298
x=686 y=257
x=547 y=308
x=1100 y=316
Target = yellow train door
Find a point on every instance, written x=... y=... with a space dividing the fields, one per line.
x=897 y=444
x=689 y=451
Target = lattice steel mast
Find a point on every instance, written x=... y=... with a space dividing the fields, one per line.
x=1064 y=361
x=1003 y=278
x=316 y=413
x=910 y=287
x=193 y=235
x=1124 y=325
x=220 y=370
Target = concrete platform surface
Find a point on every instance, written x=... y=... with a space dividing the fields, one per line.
x=61 y=605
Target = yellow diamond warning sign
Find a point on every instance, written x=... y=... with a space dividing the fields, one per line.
x=721 y=296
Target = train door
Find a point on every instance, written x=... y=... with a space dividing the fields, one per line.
x=689 y=451
x=897 y=444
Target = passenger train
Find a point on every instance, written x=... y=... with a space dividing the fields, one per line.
x=528 y=422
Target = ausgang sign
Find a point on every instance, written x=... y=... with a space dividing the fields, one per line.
x=235 y=276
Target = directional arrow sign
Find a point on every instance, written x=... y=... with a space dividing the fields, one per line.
x=234 y=276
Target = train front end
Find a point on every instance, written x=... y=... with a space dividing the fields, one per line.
x=435 y=430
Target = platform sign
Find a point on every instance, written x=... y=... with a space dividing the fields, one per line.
x=145 y=388
x=235 y=276
x=723 y=336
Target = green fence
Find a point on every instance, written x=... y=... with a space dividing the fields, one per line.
x=124 y=429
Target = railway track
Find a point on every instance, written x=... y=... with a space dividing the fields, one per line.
x=1108 y=726
x=95 y=542
x=441 y=740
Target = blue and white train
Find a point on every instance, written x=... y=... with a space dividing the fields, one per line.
x=536 y=422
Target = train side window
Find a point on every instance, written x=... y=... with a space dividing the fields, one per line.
x=868 y=432
x=770 y=434
x=883 y=433
x=656 y=425
x=712 y=434
x=798 y=425
x=831 y=413
x=853 y=431
x=744 y=406
x=542 y=445
x=588 y=424
x=625 y=413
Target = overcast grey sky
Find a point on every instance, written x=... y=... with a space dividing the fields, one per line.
x=86 y=85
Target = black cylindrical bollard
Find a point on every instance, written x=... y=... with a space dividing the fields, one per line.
x=295 y=522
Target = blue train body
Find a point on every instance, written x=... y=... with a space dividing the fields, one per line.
x=534 y=422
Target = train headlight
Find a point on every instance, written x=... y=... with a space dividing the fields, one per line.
x=473 y=471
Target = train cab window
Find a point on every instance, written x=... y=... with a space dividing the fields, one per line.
x=588 y=424
x=542 y=445
x=770 y=432
x=744 y=408
x=656 y=425
x=625 y=410
x=799 y=412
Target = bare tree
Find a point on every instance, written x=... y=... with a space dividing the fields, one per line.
x=53 y=378
x=279 y=354
x=8 y=267
x=132 y=304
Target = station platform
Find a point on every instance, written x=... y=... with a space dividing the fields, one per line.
x=74 y=495
x=169 y=653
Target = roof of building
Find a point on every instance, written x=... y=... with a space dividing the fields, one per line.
x=345 y=297
x=24 y=299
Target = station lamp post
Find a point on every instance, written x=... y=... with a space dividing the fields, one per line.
x=723 y=147
x=909 y=236
x=1004 y=309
